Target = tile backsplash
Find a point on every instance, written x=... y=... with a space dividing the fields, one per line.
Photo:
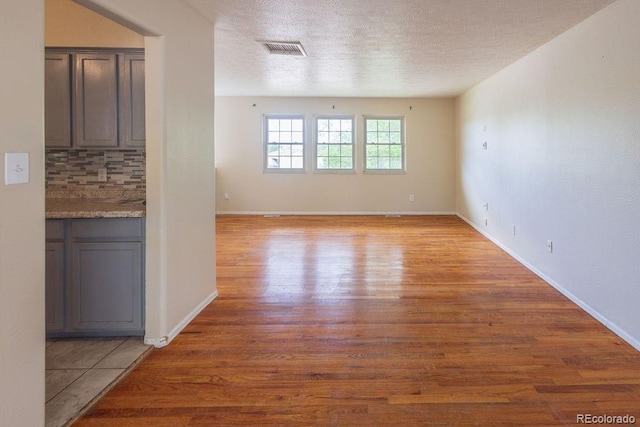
x=73 y=169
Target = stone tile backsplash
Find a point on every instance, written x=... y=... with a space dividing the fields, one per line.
x=74 y=169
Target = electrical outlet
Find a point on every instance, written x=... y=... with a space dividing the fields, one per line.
x=550 y=246
x=412 y=198
x=486 y=206
x=226 y=196
x=486 y=222
x=102 y=174
x=513 y=229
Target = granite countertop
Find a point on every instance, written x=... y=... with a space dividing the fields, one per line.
x=96 y=204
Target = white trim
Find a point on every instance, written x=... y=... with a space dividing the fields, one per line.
x=381 y=213
x=165 y=340
x=591 y=311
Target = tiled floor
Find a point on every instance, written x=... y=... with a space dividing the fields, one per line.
x=79 y=369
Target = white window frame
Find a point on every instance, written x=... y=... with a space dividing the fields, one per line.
x=317 y=144
x=403 y=144
x=266 y=143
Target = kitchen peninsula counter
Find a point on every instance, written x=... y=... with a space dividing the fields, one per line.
x=97 y=205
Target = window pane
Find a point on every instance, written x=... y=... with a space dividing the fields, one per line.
x=372 y=125
x=285 y=125
x=285 y=137
x=334 y=162
x=297 y=137
x=323 y=137
x=383 y=125
x=346 y=151
x=274 y=137
x=395 y=151
x=334 y=150
x=297 y=162
x=323 y=125
x=372 y=162
x=334 y=125
x=383 y=137
x=323 y=162
x=346 y=138
x=323 y=150
x=372 y=150
x=395 y=163
x=345 y=125
x=394 y=125
x=272 y=148
x=285 y=162
x=395 y=138
x=372 y=137
x=285 y=150
x=297 y=150
x=346 y=163
x=273 y=162
x=297 y=125
x=383 y=150
x=383 y=163
x=334 y=137
x=273 y=124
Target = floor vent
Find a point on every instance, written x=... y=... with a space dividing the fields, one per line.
x=392 y=216
x=271 y=216
x=284 y=48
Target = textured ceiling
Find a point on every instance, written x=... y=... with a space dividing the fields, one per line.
x=379 y=48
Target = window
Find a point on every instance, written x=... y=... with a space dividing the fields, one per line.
x=334 y=143
x=384 y=143
x=284 y=143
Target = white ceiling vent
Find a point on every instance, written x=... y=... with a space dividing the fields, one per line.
x=284 y=48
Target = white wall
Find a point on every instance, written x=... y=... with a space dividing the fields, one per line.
x=180 y=260
x=22 y=216
x=430 y=170
x=563 y=163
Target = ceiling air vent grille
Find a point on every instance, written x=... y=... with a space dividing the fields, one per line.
x=284 y=48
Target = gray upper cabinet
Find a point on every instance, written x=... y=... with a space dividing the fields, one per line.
x=132 y=106
x=57 y=100
x=96 y=100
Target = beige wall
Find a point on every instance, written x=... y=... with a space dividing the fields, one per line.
x=69 y=24
x=22 y=216
x=563 y=163
x=180 y=257
x=430 y=171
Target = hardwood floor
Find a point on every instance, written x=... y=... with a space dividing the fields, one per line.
x=375 y=321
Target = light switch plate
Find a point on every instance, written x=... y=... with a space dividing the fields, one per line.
x=16 y=168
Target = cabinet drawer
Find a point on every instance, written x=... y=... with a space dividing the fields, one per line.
x=107 y=228
x=54 y=229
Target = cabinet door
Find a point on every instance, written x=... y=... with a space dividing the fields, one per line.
x=106 y=286
x=132 y=106
x=57 y=100
x=96 y=100
x=54 y=287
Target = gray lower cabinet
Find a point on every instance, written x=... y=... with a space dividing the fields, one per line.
x=101 y=291
x=54 y=279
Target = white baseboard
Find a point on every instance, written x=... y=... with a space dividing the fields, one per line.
x=329 y=213
x=635 y=343
x=165 y=340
